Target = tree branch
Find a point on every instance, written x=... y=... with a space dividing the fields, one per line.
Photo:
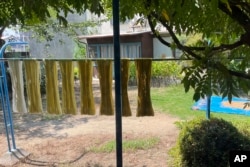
x=175 y=39
x=188 y=50
x=239 y=74
x=222 y=47
x=156 y=34
x=236 y=14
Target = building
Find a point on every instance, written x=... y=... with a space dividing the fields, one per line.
x=133 y=45
x=137 y=41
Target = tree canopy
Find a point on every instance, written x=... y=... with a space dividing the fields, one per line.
x=18 y=11
x=30 y=12
x=221 y=57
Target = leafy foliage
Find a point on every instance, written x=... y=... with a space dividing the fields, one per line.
x=79 y=51
x=132 y=71
x=160 y=69
x=42 y=79
x=166 y=69
x=20 y=11
x=224 y=27
x=76 y=73
x=223 y=24
x=47 y=31
x=208 y=142
x=45 y=19
x=211 y=75
x=170 y=70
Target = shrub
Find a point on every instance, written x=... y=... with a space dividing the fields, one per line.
x=42 y=78
x=208 y=143
x=132 y=73
x=132 y=70
x=76 y=73
x=165 y=71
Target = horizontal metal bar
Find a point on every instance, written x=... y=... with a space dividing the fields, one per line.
x=92 y=59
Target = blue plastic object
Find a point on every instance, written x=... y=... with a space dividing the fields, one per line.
x=5 y=101
x=217 y=105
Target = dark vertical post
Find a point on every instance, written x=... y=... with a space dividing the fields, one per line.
x=117 y=62
x=209 y=94
x=208 y=106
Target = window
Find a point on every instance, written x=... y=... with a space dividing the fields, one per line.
x=131 y=50
x=128 y=50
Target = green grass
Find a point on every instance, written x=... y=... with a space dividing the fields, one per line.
x=128 y=145
x=174 y=101
x=48 y=117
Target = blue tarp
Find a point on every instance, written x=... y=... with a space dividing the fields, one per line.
x=217 y=105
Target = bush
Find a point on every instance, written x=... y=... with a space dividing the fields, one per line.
x=166 y=69
x=208 y=143
x=76 y=73
x=167 y=72
x=42 y=78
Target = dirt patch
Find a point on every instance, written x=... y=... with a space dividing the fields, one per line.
x=69 y=139
x=66 y=140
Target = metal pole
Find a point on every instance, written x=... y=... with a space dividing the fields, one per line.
x=5 y=100
x=208 y=106
x=117 y=62
x=4 y=113
x=208 y=94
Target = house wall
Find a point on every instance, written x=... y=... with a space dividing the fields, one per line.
x=147 y=45
x=163 y=51
x=160 y=50
x=145 y=39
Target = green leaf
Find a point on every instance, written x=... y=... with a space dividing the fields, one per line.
x=227 y=5
x=230 y=97
x=196 y=96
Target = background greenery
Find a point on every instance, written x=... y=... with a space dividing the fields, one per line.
x=174 y=101
x=163 y=73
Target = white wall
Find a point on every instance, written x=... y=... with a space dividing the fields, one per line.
x=160 y=50
x=62 y=46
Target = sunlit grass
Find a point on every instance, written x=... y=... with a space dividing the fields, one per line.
x=174 y=101
x=127 y=145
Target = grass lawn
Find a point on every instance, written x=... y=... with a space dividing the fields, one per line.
x=174 y=101
x=128 y=145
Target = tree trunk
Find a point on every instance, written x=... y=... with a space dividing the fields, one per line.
x=144 y=104
x=68 y=92
x=52 y=91
x=16 y=74
x=105 y=79
x=126 y=111
x=87 y=98
x=32 y=73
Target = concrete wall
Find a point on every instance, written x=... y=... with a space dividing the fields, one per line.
x=160 y=50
